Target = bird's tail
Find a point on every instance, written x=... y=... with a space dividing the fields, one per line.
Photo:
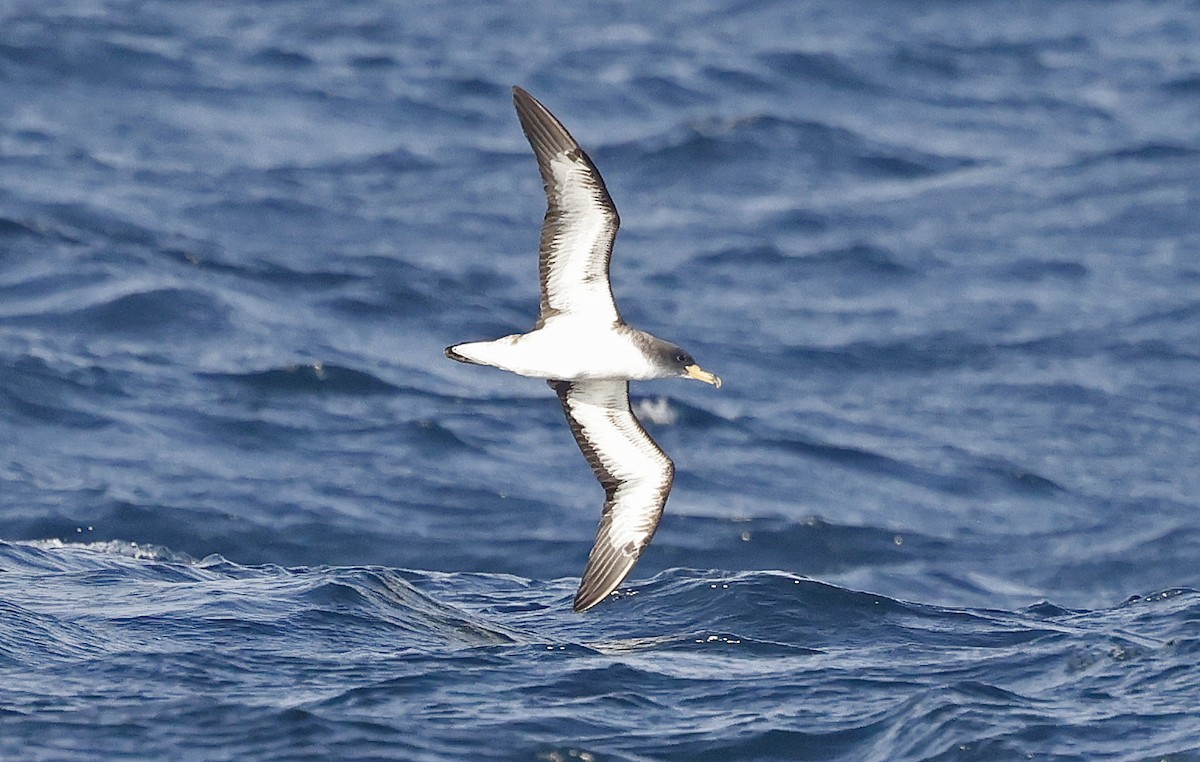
x=463 y=353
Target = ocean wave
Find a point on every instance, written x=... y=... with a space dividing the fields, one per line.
x=810 y=147
x=374 y=645
x=823 y=68
x=313 y=377
x=12 y=228
x=122 y=587
x=1150 y=152
x=766 y=264
x=927 y=353
x=93 y=58
x=39 y=392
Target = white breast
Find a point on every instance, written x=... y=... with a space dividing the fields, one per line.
x=566 y=350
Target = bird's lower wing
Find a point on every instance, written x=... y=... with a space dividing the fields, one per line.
x=635 y=473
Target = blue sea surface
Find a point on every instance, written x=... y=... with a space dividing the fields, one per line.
x=946 y=257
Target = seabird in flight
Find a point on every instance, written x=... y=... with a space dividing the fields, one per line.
x=588 y=354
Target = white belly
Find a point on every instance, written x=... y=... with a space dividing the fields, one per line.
x=565 y=352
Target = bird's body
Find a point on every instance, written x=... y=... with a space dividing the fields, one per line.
x=588 y=354
x=565 y=349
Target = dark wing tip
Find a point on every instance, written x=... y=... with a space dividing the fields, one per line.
x=607 y=568
x=546 y=134
x=527 y=103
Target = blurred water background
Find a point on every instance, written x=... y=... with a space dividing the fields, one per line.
x=943 y=254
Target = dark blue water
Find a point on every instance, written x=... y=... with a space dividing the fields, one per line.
x=945 y=256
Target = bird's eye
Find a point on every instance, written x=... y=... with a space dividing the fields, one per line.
x=683 y=359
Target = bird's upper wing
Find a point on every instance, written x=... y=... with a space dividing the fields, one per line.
x=580 y=225
x=635 y=473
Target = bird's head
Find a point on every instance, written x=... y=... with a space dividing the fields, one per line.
x=680 y=363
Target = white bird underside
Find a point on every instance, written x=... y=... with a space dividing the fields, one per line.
x=565 y=348
x=588 y=354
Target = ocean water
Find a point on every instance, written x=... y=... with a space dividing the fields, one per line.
x=946 y=257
